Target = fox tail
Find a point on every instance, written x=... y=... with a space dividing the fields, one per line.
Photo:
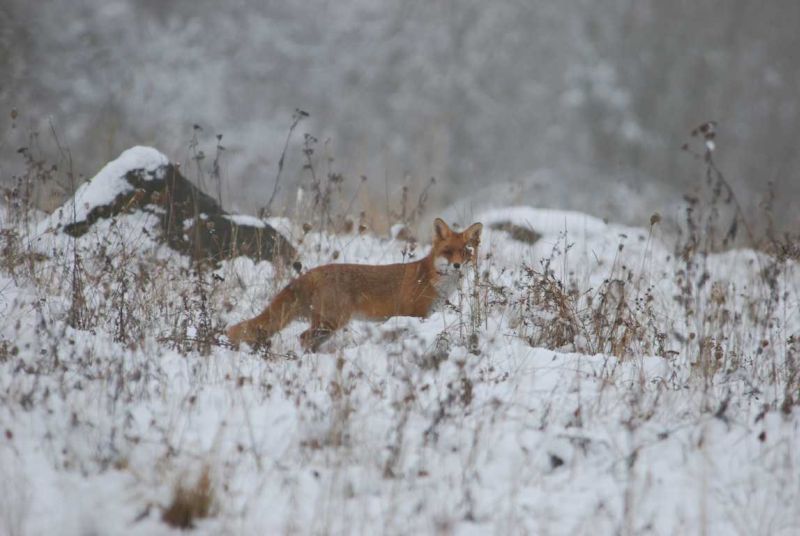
x=284 y=308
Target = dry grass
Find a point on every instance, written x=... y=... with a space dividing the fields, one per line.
x=117 y=291
x=190 y=502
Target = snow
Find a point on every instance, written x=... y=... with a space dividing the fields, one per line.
x=392 y=427
x=396 y=229
x=244 y=219
x=545 y=221
x=109 y=183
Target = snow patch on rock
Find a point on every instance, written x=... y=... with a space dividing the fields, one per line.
x=108 y=184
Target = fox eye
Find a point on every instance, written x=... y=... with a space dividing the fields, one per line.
x=447 y=252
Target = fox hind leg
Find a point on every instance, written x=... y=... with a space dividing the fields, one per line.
x=320 y=331
x=312 y=338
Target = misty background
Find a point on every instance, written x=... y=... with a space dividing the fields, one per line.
x=580 y=104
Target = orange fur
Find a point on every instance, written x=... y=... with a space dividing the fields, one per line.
x=329 y=296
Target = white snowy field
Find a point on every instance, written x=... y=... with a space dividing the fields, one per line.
x=589 y=383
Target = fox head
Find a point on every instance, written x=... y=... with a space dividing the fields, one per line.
x=452 y=250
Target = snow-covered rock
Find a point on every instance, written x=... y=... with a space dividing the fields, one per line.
x=142 y=181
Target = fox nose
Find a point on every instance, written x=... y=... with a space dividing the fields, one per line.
x=457 y=265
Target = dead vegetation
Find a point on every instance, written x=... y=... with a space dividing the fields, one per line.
x=190 y=502
x=109 y=286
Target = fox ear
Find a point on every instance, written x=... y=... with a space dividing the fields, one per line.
x=441 y=229
x=473 y=233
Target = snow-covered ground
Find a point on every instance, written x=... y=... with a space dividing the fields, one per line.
x=460 y=423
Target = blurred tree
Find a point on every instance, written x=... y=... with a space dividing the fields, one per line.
x=599 y=92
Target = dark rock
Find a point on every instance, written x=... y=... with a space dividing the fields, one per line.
x=191 y=221
x=517 y=232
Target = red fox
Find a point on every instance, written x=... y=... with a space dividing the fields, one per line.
x=329 y=296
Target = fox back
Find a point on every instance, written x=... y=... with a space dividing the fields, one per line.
x=329 y=296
